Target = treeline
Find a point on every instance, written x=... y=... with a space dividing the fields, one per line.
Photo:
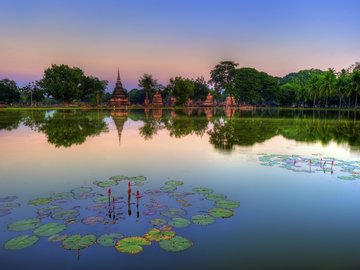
x=306 y=88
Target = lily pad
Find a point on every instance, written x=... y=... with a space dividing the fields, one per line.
x=216 y=197
x=47 y=211
x=109 y=240
x=221 y=213
x=202 y=219
x=92 y=220
x=132 y=245
x=159 y=235
x=119 y=178
x=57 y=238
x=65 y=214
x=173 y=212
x=24 y=225
x=227 y=204
x=70 y=221
x=83 y=196
x=49 y=229
x=60 y=202
x=168 y=188
x=101 y=199
x=77 y=242
x=8 y=199
x=39 y=201
x=154 y=192
x=158 y=222
x=61 y=196
x=21 y=242
x=176 y=244
x=105 y=184
x=10 y=205
x=96 y=207
x=179 y=222
x=174 y=183
x=137 y=179
x=348 y=178
x=203 y=190
x=80 y=190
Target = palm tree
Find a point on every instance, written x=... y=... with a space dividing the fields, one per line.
x=148 y=83
x=356 y=84
x=315 y=87
x=342 y=84
x=328 y=83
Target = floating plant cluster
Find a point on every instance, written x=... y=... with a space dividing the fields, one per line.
x=344 y=170
x=165 y=209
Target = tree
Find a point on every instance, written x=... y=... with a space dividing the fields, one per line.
x=201 y=89
x=342 y=85
x=148 y=84
x=93 y=90
x=9 y=91
x=32 y=93
x=328 y=84
x=315 y=87
x=63 y=83
x=355 y=77
x=223 y=77
x=136 y=96
x=182 y=89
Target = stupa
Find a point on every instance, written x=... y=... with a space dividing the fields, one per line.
x=208 y=101
x=157 y=99
x=119 y=117
x=119 y=96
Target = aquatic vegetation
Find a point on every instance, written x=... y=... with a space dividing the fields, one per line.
x=105 y=184
x=96 y=207
x=57 y=238
x=175 y=183
x=227 y=204
x=49 y=229
x=47 y=211
x=101 y=199
x=157 y=222
x=109 y=240
x=92 y=220
x=159 y=235
x=65 y=214
x=179 y=222
x=202 y=219
x=24 y=225
x=132 y=245
x=221 y=213
x=215 y=197
x=153 y=192
x=61 y=196
x=21 y=242
x=118 y=178
x=176 y=244
x=343 y=177
x=77 y=242
x=203 y=190
x=83 y=196
x=173 y=212
x=168 y=188
x=39 y=201
x=80 y=190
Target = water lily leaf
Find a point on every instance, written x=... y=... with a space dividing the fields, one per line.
x=173 y=212
x=157 y=222
x=77 y=242
x=57 y=238
x=221 y=213
x=176 y=244
x=105 y=184
x=96 y=207
x=109 y=240
x=216 y=197
x=101 y=199
x=4 y=212
x=202 y=219
x=24 y=225
x=65 y=214
x=227 y=204
x=158 y=235
x=61 y=196
x=168 y=188
x=80 y=190
x=348 y=178
x=60 y=202
x=21 y=242
x=83 y=196
x=92 y=220
x=203 y=190
x=47 y=211
x=150 y=212
x=49 y=229
x=174 y=183
x=166 y=228
x=8 y=199
x=154 y=192
x=39 y=201
x=118 y=178
x=132 y=245
x=70 y=221
x=137 y=179
x=10 y=205
x=179 y=222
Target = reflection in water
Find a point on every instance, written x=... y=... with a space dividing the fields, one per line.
x=226 y=128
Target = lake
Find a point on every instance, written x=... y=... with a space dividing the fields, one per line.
x=261 y=189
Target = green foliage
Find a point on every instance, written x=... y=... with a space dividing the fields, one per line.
x=136 y=96
x=109 y=240
x=182 y=89
x=21 y=242
x=179 y=222
x=9 y=92
x=132 y=245
x=202 y=219
x=77 y=242
x=176 y=244
x=49 y=229
x=39 y=201
x=221 y=213
x=148 y=84
x=201 y=89
x=159 y=235
x=24 y=225
x=223 y=78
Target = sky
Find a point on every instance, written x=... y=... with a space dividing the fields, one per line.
x=175 y=38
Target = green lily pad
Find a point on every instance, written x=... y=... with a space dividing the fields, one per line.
x=24 y=225
x=227 y=204
x=348 y=178
x=202 y=219
x=173 y=212
x=119 y=178
x=71 y=221
x=137 y=179
x=39 y=201
x=65 y=214
x=216 y=197
x=132 y=245
x=101 y=199
x=77 y=242
x=105 y=184
x=168 y=188
x=92 y=220
x=47 y=211
x=49 y=229
x=159 y=235
x=176 y=244
x=158 y=222
x=80 y=190
x=221 y=213
x=179 y=222
x=203 y=190
x=21 y=242
x=83 y=196
x=174 y=183
x=61 y=196
x=57 y=238
x=109 y=240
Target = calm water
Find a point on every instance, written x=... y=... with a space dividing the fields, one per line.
x=295 y=211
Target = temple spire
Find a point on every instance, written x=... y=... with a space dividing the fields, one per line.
x=118 y=78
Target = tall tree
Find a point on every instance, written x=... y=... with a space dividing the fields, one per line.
x=182 y=89
x=148 y=84
x=355 y=77
x=9 y=92
x=328 y=84
x=342 y=85
x=223 y=77
x=201 y=89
